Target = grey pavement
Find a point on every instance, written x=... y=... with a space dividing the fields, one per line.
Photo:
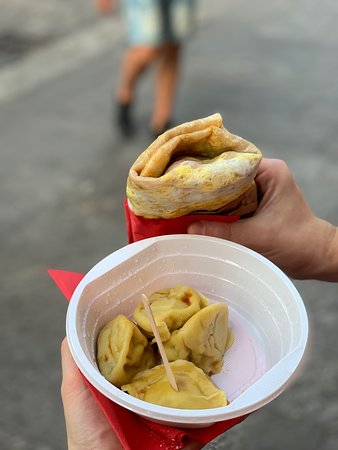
x=27 y=26
x=270 y=68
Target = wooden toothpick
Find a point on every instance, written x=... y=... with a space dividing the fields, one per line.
x=158 y=340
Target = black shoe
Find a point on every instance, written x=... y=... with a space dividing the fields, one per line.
x=124 y=120
x=158 y=132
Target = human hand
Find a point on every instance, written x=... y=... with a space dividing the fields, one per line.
x=283 y=229
x=87 y=428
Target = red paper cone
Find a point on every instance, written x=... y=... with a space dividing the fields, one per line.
x=139 y=228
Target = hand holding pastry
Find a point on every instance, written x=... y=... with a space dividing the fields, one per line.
x=284 y=229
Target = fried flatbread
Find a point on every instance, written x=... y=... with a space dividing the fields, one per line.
x=196 y=166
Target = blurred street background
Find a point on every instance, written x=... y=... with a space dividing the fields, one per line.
x=270 y=68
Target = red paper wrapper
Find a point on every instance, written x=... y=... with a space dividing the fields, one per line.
x=139 y=228
x=134 y=432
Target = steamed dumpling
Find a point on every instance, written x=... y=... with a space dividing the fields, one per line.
x=122 y=351
x=203 y=339
x=171 y=308
x=195 y=389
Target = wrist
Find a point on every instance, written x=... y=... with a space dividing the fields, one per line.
x=325 y=267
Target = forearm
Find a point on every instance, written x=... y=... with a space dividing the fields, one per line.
x=327 y=264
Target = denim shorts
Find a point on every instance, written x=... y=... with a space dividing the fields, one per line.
x=156 y=22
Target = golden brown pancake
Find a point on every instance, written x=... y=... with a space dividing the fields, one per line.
x=198 y=166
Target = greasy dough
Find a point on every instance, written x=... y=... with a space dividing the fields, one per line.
x=203 y=339
x=171 y=308
x=195 y=389
x=198 y=165
x=122 y=351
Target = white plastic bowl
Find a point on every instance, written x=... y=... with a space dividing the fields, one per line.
x=266 y=315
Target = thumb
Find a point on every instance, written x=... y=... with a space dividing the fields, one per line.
x=73 y=384
x=240 y=232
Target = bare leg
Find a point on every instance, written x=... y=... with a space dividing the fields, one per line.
x=105 y=6
x=165 y=85
x=135 y=62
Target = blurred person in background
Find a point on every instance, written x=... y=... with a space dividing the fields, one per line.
x=156 y=31
x=106 y=6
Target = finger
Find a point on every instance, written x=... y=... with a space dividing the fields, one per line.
x=272 y=172
x=239 y=232
x=72 y=381
x=67 y=361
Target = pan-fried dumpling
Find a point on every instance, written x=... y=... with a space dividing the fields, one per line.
x=171 y=308
x=195 y=389
x=196 y=166
x=203 y=339
x=122 y=351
